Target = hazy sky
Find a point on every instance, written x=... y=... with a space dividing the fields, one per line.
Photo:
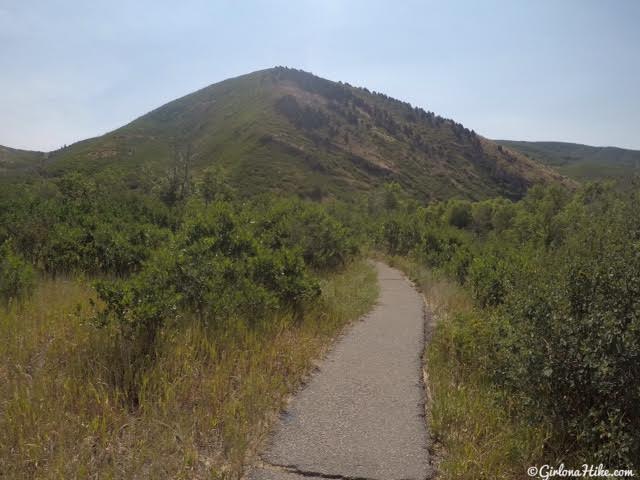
x=533 y=70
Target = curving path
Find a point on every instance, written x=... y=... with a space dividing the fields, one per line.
x=361 y=416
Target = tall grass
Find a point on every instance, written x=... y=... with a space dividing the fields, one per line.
x=477 y=433
x=203 y=404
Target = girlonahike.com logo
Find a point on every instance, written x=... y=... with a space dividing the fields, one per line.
x=546 y=472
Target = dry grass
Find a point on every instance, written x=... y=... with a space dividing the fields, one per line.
x=443 y=295
x=203 y=405
x=476 y=434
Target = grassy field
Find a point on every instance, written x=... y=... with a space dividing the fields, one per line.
x=475 y=434
x=203 y=406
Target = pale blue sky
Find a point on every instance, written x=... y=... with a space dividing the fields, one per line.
x=564 y=70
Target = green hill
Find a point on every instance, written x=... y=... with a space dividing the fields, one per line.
x=287 y=130
x=580 y=162
x=13 y=160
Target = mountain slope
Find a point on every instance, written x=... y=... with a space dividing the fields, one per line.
x=581 y=162
x=286 y=130
x=14 y=161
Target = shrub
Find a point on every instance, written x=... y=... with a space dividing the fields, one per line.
x=17 y=278
x=556 y=279
x=400 y=235
x=460 y=264
x=482 y=216
x=216 y=266
x=458 y=214
x=488 y=280
x=440 y=245
x=323 y=242
x=570 y=342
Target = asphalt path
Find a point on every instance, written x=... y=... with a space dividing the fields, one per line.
x=361 y=416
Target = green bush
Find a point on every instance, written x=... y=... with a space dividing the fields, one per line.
x=488 y=280
x=458 y=214
x=323 y=242
x=556 y=280
x=74 y=225
x=400 y=235
x=439 y=246
x=218 y=265
x=17 y=278
x=574 y=338
x=482 y=216
x=460 y=263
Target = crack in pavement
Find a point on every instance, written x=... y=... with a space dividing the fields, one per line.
x=294 y=469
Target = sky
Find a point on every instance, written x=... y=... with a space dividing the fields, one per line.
x=565 y=70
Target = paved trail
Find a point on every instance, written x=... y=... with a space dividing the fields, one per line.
x=361 y=416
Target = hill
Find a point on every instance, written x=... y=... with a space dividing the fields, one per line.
x=13 y=160
x=287 y=130
x=580 y=162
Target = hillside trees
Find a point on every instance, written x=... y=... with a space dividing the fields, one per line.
x=214 y=186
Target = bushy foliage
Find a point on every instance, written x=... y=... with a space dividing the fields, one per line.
x=225 y=260
x=458 y=214
x=77 y=225
x=557 y=279
x=321 y=239
x=202 y=253
x=489 y=277
x=400 y=234
x=572 y=328
x=16 y=276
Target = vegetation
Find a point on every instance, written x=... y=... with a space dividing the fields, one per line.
x=202 y=404
x=477 y=429
x=552 y=337
x=16 y=276
x=165 y=286
x=154 y=335
x=287 y=131
x=581 y=162
x=13 y=161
